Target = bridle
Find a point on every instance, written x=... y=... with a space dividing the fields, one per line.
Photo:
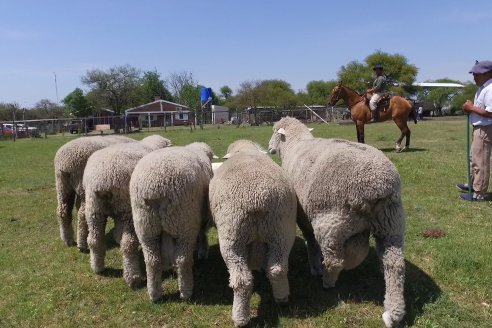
x=337 y=95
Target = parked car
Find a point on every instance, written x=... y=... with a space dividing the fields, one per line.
x=76 y=126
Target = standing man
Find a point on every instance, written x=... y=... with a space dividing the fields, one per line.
x=420 y=115
x=377 y=91
x=481 y=119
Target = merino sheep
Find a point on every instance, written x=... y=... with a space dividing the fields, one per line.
x=345 y=190
x=169 y=190
x=70 y=161
x=254 y=208
x=106 y=182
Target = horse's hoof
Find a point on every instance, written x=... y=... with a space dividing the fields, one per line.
x=401 y=149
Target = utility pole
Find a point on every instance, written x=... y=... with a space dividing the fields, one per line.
x=56 y=88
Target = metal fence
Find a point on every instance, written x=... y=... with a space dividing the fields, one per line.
x=137 y=122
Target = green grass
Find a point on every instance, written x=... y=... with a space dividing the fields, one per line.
x=448 y=279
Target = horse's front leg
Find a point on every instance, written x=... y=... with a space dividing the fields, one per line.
x=360 y=131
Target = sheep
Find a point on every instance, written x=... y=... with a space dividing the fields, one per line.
x=345 y=190
x=253 y=206
x=70 y=161
x=106 y=182
x=169 y=193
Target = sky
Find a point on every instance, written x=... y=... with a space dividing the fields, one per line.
x=227 y=42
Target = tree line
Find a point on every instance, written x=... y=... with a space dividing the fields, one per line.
x=121 y=87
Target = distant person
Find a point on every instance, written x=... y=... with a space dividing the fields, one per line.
x=377 y=91
x=420 y=113
x=481 y=119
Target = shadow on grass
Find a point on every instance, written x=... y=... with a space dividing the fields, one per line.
x=408 y=150
x=307 y=296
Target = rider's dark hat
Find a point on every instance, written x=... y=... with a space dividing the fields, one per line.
x=378 y=66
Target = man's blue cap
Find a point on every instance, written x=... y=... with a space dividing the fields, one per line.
x=378 y=66
x=481 y=67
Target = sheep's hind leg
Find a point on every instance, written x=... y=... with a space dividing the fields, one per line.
x=240 y=279
x=152 y=253
x=66 y=200
x=390 y=251
x=313 y=249
x=185 y=247
x=129 y=249
x=95 y=240
x=277 y=269
x=82 y=229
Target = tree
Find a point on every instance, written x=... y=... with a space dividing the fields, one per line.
x=77 y=103
x=179 y=84
x=468 y=92
x=400 y=74
x=318 y=92
x=151 y=86
x=226 y=92
x=115 y=88
x=247 y=94
x=49 y=109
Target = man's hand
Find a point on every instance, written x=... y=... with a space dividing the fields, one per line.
x=468 y=106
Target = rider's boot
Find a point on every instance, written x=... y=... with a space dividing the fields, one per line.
x=374 y=116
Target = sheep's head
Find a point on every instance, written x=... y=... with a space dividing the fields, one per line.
x=242 y=146
x=277 y=138
x=203 y=147
x=156 y=142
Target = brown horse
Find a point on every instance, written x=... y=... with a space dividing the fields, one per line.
x=399 y=109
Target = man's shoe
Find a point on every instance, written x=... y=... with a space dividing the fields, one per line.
x=462 y=187
x=472 y=198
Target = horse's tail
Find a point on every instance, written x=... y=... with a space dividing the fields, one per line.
x=412 y=114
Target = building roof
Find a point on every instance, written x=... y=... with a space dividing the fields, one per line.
x=439 y=84
x=153 y=103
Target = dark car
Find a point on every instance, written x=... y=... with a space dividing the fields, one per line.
x=77 y=126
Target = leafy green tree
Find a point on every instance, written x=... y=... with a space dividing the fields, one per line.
x=399 y=72
x=247 y=95
x=467 y=93
x=151 y=86
x=318 y=92
x=226 y=92
x=77 y=104
x=276 y=93
x=115 y=88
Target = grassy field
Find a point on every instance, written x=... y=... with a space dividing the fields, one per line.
x=43 y=283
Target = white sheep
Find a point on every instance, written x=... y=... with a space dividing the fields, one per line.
x=106 y=182
x=169 y=193
x=254 y=208
x=345 y=190
x=70 y=161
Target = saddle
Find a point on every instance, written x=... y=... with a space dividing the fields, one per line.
x=382 y=104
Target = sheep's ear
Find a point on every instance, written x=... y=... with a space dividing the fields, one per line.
x=215 y=156
x=281 y=131
x=264 y=152
x=226 y=156
x=310 y=129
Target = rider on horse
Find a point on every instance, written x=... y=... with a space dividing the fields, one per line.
x=378 y=89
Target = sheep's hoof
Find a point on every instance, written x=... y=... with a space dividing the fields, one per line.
x=70 y=243
x=84 y=249
x=316 y=270
x=136 y=282
x=241 y=323
x=185 y=294
x=202 y=254
x=387 y=320
x=282 y=300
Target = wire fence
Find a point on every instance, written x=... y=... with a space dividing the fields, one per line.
x=140 y=121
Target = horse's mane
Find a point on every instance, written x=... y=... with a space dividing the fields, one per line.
x=346 y=87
